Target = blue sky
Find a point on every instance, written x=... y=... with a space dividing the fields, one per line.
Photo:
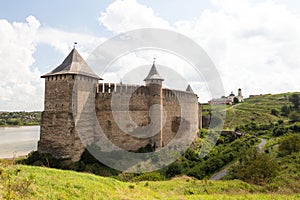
x=255 y=44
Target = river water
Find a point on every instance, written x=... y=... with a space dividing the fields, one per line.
x=18 y=141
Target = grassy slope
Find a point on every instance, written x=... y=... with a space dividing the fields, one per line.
x=60 y=184
x=256 y=109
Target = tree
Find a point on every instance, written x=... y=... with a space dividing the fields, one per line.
x=295 y=99
x=173 y=170
x=236 y=100
x=254 y=167
x=289 y=145
x=274 y=112
x=294 y=116
x=285 y=110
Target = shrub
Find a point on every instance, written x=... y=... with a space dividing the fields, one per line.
x=173 y=170
x=294 y=117
x=289 y=145
x=256 y=168
x=279 y=131
x=295 y=127
x=285 y=110
x=274 y=112
x=151 y=176
x=280 y=121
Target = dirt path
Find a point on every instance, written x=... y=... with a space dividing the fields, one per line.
x=261 y=144
x=220 y=174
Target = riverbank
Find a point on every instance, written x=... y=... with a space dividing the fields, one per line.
x=18 y=140
x=4 y=126
x=20 y=118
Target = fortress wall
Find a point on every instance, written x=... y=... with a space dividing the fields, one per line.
x=173 y=114
x=182 y=111
x=119 y=137
x=84 y=108
x=139 y=113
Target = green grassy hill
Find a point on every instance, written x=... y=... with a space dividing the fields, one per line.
x=256 y=109
x=49 y=183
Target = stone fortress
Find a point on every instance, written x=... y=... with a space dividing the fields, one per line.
x=73 y=92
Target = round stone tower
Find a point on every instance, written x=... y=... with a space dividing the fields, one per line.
x=155 y=102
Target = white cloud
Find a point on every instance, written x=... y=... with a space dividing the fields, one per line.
x=255 y=45
x=63 y=41
x=20 y=85
x=124 y=15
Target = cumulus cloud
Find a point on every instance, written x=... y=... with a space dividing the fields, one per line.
x=62 y=41
x=255 y=45
x=20 y=85
x=124 y=15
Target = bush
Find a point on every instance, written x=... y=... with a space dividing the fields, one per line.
x=295 y=128
x=279 y=131
x=285 y=110
x=280 y=121
x=274 y=112
x=151 y=176
x=173 y=170
x=289 y=145
x=256 y=168
x=294 y=117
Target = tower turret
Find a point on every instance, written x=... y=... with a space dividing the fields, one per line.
x=70 y=89
x=189 y=89
x=154 y=84
x=153 y=76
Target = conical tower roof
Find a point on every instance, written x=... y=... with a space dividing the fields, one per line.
x=73 y=64
x=189 y=89
x=153 y=74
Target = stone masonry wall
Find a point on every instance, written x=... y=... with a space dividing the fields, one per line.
x=138 y=98
x=63 y=107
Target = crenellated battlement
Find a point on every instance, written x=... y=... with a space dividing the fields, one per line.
x=117 y=88
x=170 y=94
x=106 y=89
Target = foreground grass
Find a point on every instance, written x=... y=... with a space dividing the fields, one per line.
x=59 y=184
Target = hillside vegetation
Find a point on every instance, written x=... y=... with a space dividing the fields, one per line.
x=45 y=183
x=257 y=109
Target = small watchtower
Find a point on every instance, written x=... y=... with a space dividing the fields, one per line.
x=155 y=102
x=69 y=89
